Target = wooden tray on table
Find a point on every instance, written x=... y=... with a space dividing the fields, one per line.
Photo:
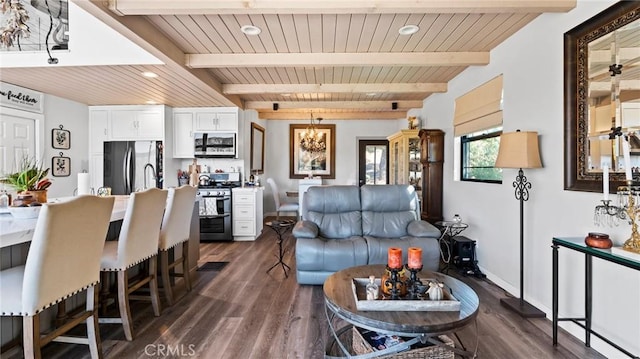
x=448 y=304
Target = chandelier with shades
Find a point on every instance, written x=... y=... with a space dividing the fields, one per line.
x=312 y=140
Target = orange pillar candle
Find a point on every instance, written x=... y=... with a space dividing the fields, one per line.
x=415 y=258
x=394 y=258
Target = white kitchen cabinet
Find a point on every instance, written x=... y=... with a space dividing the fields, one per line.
x=217 y=119
x=183 y=134
x=96 y=170
x=247 y=212
x=151 y=125
x=98 y=130
x=187 y=120
x=137 y=124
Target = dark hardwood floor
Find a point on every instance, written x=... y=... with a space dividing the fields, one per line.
x=243 y=312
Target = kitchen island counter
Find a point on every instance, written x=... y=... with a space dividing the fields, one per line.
x=15 y=231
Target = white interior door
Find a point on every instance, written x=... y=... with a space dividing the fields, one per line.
x=17 y=141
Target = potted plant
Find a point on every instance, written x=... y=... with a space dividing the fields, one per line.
x=30 y=179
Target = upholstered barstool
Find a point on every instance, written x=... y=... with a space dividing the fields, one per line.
x=63 y=259
x=175 y=230
x=281 y=207
x=137 y=242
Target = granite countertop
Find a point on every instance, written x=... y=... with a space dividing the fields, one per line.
x=15 y=231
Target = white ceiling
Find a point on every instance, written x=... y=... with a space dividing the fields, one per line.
x=343 y=58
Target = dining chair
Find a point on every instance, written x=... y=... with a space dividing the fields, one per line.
x=280 y=206
x=63 y=259
x=137 y=242
x=175 y=230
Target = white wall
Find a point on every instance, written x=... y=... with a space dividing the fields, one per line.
x=532 y=64
x=74 y=116
x=348 y=132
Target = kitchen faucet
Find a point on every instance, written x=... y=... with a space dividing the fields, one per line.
x=153 y=172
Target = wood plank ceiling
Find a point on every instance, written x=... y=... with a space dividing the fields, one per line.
x=344 y=59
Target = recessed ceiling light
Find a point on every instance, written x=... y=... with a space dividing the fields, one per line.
x=285 y=94
x=151 y=102
x=251 y=30
x=150 y=74
x=371 y=94
x=408 y=30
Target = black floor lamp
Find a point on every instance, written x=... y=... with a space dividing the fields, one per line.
x=520 y=150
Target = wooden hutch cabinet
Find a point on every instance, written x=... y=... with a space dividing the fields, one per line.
x=404 y=158
x=432 y=159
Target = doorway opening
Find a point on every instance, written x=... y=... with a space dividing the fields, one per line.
x=373 y=157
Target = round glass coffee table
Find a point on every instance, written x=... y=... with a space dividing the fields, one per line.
x=422 y=326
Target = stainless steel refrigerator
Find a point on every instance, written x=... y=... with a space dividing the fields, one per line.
x=131 y=166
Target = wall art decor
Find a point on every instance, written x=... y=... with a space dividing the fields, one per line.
x=60 y=166
x=304 y=162
x=61 y=138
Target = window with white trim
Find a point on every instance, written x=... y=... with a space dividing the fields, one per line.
x=478 y=152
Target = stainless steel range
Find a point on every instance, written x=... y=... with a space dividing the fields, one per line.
x=215 y=206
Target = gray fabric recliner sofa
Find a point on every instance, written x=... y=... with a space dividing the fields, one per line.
x=348 y=226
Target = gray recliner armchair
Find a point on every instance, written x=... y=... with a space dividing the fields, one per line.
x=347 y=226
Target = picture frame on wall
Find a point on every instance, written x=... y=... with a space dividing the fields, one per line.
x=302 y=162
x=60 y=166
x=61 y=138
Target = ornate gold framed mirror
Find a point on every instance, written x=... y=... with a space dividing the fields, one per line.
x=601 y=92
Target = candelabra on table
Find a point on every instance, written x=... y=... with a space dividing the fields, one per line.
x=397 y=284
x=626 y=209
x=414 y=282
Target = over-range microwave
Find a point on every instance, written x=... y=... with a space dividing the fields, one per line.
x=214 y=144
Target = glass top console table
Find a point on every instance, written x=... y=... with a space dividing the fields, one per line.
x=577 y=244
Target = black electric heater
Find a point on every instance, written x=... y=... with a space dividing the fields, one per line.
x=464 y=256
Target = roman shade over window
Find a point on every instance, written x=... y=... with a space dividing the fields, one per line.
x=479 y=109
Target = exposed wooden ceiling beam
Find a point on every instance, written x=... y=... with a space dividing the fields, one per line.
x=361 y=115
x=365 y=105
x=245 y=89
x=206 y=7
x=338 y=59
